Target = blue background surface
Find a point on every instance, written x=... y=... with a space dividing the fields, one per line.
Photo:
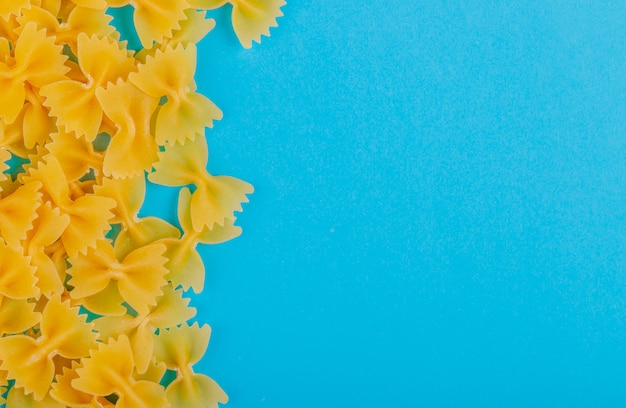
x=439 y=211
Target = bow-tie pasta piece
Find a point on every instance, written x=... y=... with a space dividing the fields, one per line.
x=31 y=362
x=139 y=276
x=216 y=198
x=116 y=355
x=250 y=18
x=185 y=265
x=131 y=110
x=101 y=60
x=180 y=348
x=155 y=19
x=169 y=73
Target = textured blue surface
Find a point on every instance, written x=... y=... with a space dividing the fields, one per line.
x=440 y=206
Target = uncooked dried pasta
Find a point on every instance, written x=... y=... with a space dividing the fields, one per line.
x=94 y=310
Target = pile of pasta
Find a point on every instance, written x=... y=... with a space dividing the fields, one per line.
x=92 y=305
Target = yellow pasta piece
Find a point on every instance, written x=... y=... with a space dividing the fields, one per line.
x=139 y=275
x=250 y=18
x=216 y=197
x=184 y=262
x=30 y=361
x=155 y=19
x=170 y=73
x=180 y=348
x=101 y=61
x=118 y=378
x=131 y=110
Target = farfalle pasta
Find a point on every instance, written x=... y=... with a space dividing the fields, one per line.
x=94 y=310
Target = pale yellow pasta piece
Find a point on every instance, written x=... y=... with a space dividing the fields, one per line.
x=180 y=348
x=101 y=61
x=131 y=110
x=185 y=265
x=47 y=229
x=30 y=362
x=170 y=73
x=118 y=378
x=171 y=309
x=17 y=315
x=37 y=60
x=216 y=198
x=250 y=18
x=140 y=275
